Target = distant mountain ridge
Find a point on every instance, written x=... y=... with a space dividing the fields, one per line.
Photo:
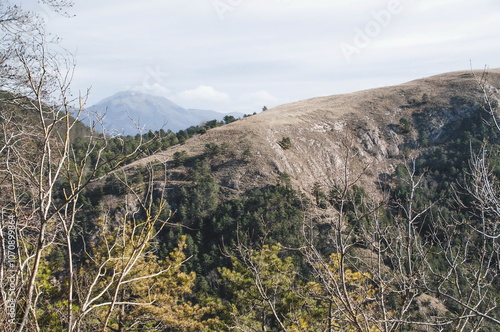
x=127 y=112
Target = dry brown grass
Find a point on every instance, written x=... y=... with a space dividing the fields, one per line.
x=321 y=128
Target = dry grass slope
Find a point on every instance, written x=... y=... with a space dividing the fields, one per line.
x=359 y=128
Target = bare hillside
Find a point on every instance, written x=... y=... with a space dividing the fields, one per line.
x=329 y=139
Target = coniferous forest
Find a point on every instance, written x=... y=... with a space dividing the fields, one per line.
x=98 y=235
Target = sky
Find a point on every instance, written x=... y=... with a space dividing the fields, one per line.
x=241 y=55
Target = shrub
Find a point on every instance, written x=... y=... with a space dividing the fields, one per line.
x=404 y=125
x=285 y=143
x=180 y=158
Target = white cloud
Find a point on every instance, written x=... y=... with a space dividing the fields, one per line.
x=205 y=93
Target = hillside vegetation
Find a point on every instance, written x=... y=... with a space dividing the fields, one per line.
x=370 y=211
x=319 y=129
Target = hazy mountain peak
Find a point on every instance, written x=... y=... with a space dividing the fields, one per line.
x=148 y=112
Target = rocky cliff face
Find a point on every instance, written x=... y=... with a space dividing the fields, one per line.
x=337 y=138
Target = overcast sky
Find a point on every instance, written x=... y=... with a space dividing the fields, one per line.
x=239 y=55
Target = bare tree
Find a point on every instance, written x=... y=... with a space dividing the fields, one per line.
x=117 y=259
x=484 y=185
x=438 y=279
x=347 y=293
x=41 y=175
